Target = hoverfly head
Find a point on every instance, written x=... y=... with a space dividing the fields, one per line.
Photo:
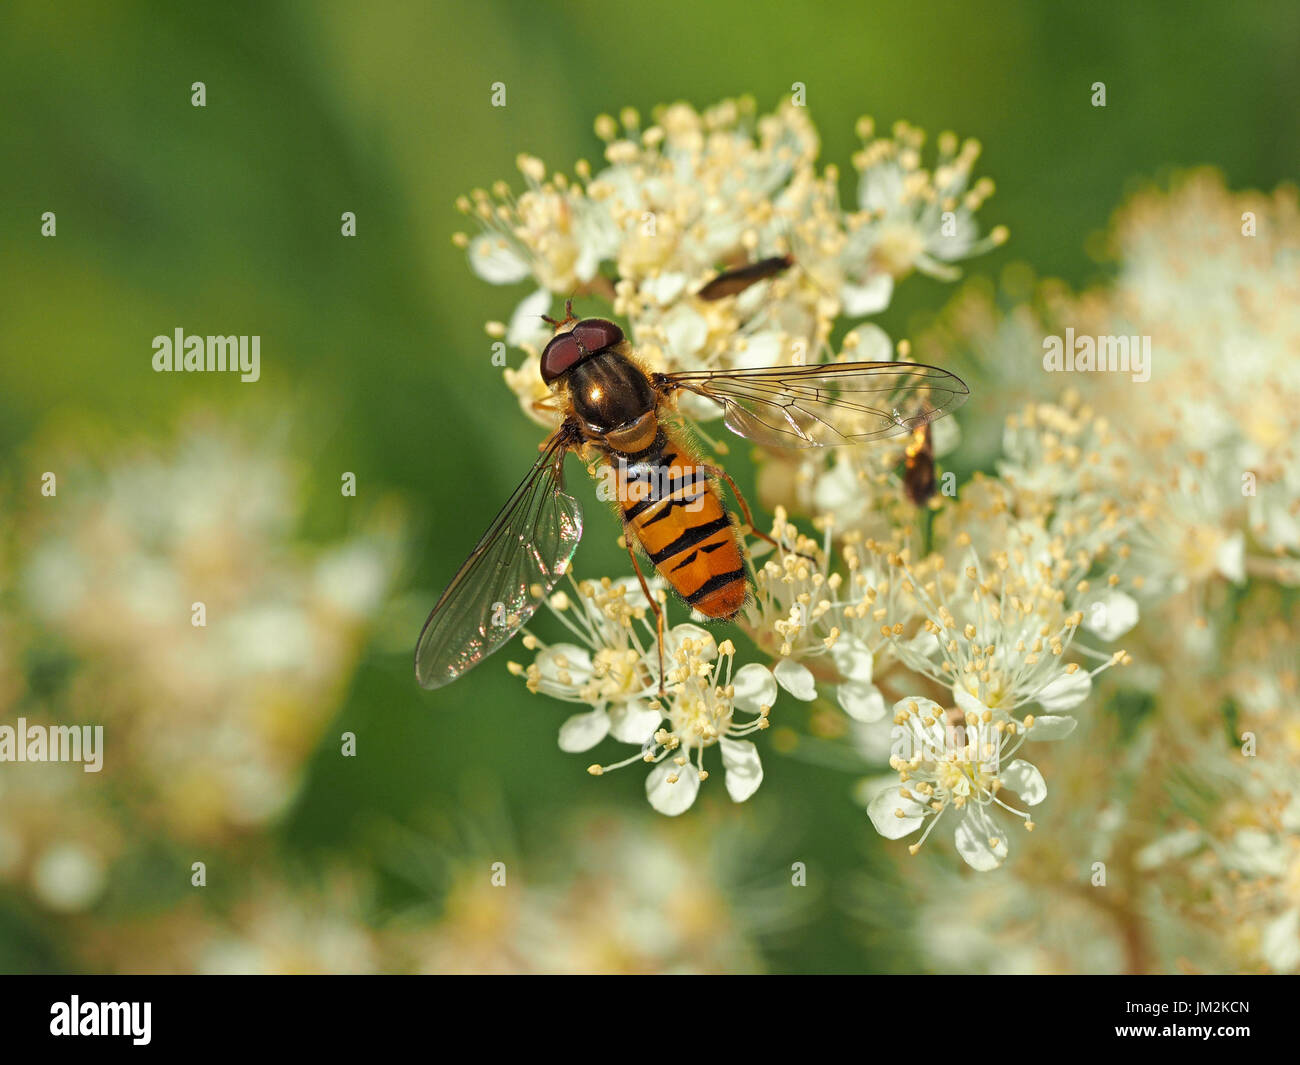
x=588 y=337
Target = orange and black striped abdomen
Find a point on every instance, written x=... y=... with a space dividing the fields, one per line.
x=676 y=514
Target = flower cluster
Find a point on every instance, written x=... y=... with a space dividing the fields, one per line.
x=707 y=701
x=985 y=615
x=1173 y=815
x=692 y=193
x=209 y=644
x=989 y=620
x=676 y=201
x=598 y=894
x=990 y=623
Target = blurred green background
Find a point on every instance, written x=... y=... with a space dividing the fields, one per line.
x=226 y=219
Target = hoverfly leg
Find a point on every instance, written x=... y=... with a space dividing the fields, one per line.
x=659 y=613
x=546 y=405
x=718 y=471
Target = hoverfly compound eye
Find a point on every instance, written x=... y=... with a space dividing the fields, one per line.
x=588 y=337
x=597 y=334
x=560 y=354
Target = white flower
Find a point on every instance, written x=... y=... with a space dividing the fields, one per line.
x=701 y=713
x=806 y=614
x=998 y=629
x=913 y=218
x=708 y=701
x=942 y=764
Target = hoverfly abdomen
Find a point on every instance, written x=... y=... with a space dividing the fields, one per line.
x=672 y=509
x=918 y=467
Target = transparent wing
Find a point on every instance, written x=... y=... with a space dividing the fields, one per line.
x=825 y=404
x=507 y=576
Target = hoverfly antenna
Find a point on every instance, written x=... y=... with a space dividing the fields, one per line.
x=569 y=316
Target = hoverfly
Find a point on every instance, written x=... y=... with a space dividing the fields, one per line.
x=918 y=467
x=669 y=499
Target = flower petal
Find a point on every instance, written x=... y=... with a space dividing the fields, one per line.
x=874 y=344
x=1280 y=943
x=1230 y=558
x=1051 y=727
x=744 y=770
x=564 y=658
x=868 y=298
x=526 y=323
x=883 y=811
x=980 y=842
x=853 y=659
x=665 y=288
x=634 y=723
x=582 y=732
x=496 y=261
x=672 y=799
x=707 y=646
x=966 y=702
x=1111 y=614
x=796 y=678
x=862 y=702
x=912 y=737
x=1065 y=691
x=755 y=687
x=686 y=331
x=633 y=596
x=1025 y=780
x=762 y=349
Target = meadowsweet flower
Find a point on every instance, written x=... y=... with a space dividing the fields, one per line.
x=814 y=622
x=962 y=767
x=1175 y=494
x=997 y=634
x=708 y=700
x=210 y=643
x=911 y=218
x=613 y=668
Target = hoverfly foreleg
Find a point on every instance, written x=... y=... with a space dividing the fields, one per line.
x=659 y=613
x=718 y=471
x=546 y=405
